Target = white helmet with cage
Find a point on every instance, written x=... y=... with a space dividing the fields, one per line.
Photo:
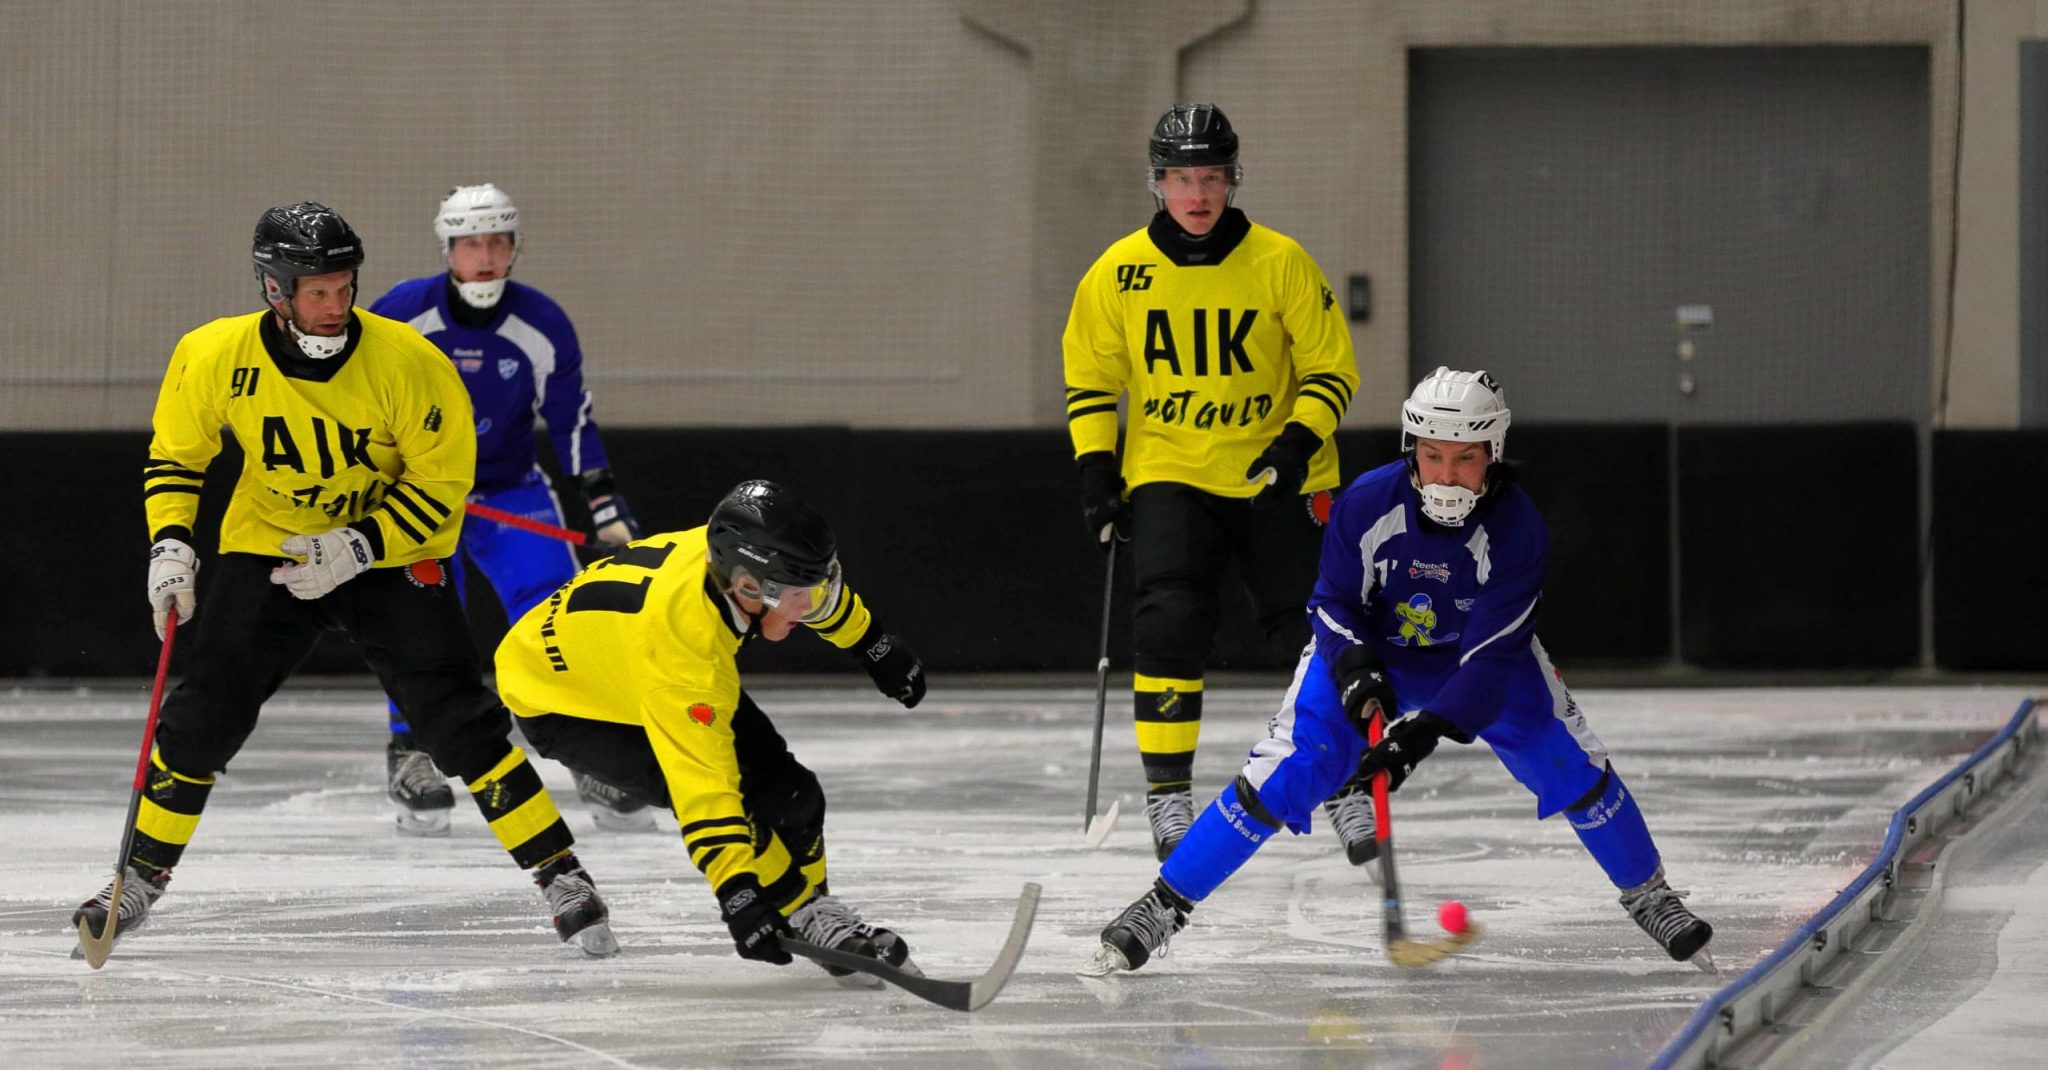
x=1452 y=406
x=484 y=209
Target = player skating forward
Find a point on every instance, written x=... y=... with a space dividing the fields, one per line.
x=1426 y=603
x=630 y=672
x=1239 y=366
x=518 y=355
x=359 y=451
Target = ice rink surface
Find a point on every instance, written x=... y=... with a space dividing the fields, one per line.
x=302 y=931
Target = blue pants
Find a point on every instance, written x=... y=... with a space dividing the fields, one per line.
x=524 y=568
x=1311 y=749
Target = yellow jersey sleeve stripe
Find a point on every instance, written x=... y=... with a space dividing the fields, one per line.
x=1342 y=390
x=1322 y=394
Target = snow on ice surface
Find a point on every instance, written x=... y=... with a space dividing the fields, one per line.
x=301 y=930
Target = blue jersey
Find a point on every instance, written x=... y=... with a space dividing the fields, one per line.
x=1451 y=612
x=524 y=362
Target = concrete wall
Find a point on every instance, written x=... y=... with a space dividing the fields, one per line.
x=816 y=211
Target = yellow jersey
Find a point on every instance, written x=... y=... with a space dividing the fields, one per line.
x=646 y=638
x=377 y=438
x=1220 y=343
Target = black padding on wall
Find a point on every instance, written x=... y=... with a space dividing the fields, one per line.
x=970 y=543
x=1798 y=546
x=1991 y=550
x=1604 y=492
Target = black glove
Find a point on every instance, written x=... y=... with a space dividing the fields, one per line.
x=608 y=508
x=755 y=924
x=892 y=665
x=1103 y=509
x=1288 y=456
x=1362 y=685
x=1406 y=744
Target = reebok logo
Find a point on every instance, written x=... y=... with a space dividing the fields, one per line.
x=703 y=714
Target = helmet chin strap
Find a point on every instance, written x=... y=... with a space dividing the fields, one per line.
x=482 y=294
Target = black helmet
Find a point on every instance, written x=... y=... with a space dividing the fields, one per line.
x=307 y=238
x=763 y=529
x=1192 y=135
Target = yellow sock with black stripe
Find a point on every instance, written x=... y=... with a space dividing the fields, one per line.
x=520 y=813
x=168 y=815
x=1169 y=721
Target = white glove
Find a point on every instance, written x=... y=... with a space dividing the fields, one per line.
x=173 y=571
x=332 y=559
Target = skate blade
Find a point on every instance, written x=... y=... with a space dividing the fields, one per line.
x=423 y=823
x=1417 y=953
x=1704 y=959
x=1100 y=824
x=854 y=979
x=597 y=940
x=1107 y=960
x=614 y=821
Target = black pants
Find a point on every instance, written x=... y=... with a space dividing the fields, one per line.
x=776 y=789
x=1181 y=541
x=250 y=634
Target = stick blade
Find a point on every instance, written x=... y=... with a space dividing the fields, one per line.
x=1414 y=954
x=95 y=949
x=1100 y=825
x=952 y=995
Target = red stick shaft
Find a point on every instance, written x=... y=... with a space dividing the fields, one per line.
x=156 y=697
x=538 y=527
x=1383 y=829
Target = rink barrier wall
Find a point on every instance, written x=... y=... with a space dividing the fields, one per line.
x=969 y=543
x=1771 y=1008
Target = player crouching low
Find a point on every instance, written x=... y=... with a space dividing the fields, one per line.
x=1426 y=602
x=628 y=672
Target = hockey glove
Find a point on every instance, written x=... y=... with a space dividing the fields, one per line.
x=1103 y=509
x=1407 y=742
x=1363 y=688
x=755 y=924
x=332 y=559
x=173 y=575
x=608 y=513
x=892 y=665
x=1286 y=459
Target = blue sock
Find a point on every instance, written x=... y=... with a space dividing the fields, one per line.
x=1613 y=831
x=399 y=729
x=1223 y=837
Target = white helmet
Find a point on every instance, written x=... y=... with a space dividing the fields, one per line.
x=481 y=209
x=1454 y=407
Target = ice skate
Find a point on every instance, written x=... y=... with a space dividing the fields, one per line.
x=614 y=809
x=1656 y=908
x=418 y=790
x=1350 y=813
x=138 y=892
x=1170 y=812
x=828 y=921
x=1141 y=931
x=580 y=915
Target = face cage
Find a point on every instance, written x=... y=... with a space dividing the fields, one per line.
x=819 y=600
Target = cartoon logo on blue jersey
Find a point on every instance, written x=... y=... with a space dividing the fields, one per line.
x=508 y=367
x=1418 y=623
